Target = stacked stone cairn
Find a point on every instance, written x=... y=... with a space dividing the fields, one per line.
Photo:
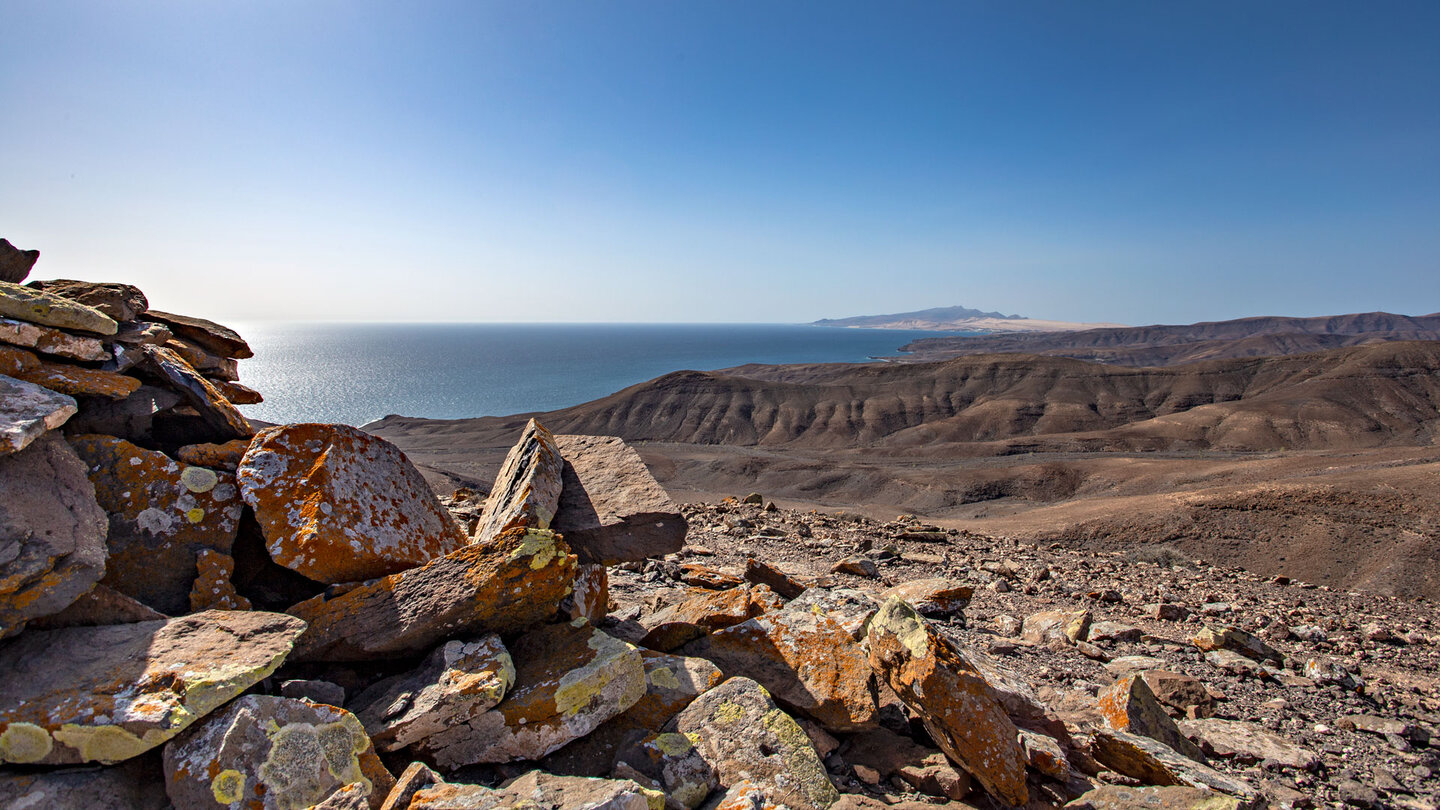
x=199 y=614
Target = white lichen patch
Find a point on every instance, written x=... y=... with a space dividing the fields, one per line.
x=23 y=743
x=199 y=479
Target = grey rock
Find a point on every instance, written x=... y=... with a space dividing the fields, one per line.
x=28 y=411
x=123 y=302
x=611 y=508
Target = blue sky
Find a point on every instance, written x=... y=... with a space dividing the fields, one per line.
x=1135 y=162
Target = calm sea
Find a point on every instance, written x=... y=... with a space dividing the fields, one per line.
x=357 y=373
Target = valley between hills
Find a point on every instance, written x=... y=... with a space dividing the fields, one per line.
x=1319 y=460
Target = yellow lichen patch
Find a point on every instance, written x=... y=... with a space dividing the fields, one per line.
x=22 y=743
x=108 y=744
x=538 y=545
x=228 y=787
x=673 y=745
x=901 y=621
x=195 y=515
x=727 y=713
x=199 y=479
x=654 y=799
x=664 y=678
x=579 y=685
x=289 y=772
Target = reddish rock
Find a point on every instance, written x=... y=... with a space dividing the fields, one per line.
x=237 y=394
x=106 y=694
x=591 y=597
x=1056 y=625
x=46 y=309
x=218 y=413
x=215 y=456
x=857 y=565
x=212 y=336
x=611 y=508
x=541 y=791
x=416 y=778
x=703 y=576
x=1129 y=705
x=213 y=367
x=47 y=340
x=508 y=586
x=1236 y=640
x=274 y=753
x=704 y=612
x=527 y=489
x=65 y=379
x=952 y=698
x=763 y=573
x=1181 y=692
x=923 y=768
x=1154 y=763
x=162 y=515
x=213 y=589
x=1115 y=797
x=98 y=607
x=123 y=302
x=933 y=597
x=337 y=504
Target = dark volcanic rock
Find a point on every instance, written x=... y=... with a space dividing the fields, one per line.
x=15 y=264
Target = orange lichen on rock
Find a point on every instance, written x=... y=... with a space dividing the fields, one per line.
x=1129 y=705
x=704 y=612
x=216 y=456
x=213 y=588
x=339 y=505
x=951 y=696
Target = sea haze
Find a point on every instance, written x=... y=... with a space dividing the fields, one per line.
x=357 y=373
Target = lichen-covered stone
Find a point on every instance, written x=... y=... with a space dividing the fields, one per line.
x=763 y=573
x=238 y=394
x=739 y=731
x=1236 y=640
x=1155 y=763
x=1129 y=705
x=218 y=339
x=29 y=411
x=517 y=581
x=47 y=340
x=273 y=753
x=705 y=611
x=215 y=456
x=457 y=682
x=35 y=306
x=218 y=413
x=213 y=589
x=52 y=532
x=65 y=379
x=569 y=678
x=937 y=596
x=807 y=655
x=591 y=598
x=1115 y=797
x=937 y=681
x=611 y=508
x=416 y=777
x=527 y=489
x=162 y=515
x=121 y=302
x=106 y=694
x=337 y=504
x=541 y=791
x=1055 y=625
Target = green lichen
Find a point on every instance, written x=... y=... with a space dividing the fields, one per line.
x=654 y=799
x=228 y=786
x=798 y=753
x=581 y=685
x=664 y=677
x=24 y=743
x=291 y=772
x=897 y=618
x=107 y=744
x=673 y=745
x=538 y=545
x=727 y=713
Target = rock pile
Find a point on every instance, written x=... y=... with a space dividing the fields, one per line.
x=198 y=614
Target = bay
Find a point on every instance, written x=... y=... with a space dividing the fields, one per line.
x=356 y=373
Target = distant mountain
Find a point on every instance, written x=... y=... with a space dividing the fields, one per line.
x=957 y=319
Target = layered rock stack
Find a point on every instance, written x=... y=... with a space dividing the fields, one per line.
x=199 y=614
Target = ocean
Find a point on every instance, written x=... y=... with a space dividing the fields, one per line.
x=357 y=373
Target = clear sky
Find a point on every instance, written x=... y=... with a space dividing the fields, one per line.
x=743 y=160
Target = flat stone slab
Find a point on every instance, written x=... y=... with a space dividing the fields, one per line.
x=218 y=412
x=45 y=309
x=123 y=302
x=29 y=411
x=527 y=489
x=611 y=508
x=47 y=340
x=106 y=694
x=221 y=340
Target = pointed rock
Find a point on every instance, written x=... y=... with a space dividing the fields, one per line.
x=162 y=515
x=15 y=264
x=527 y=490
x=52 y=532
x=29 y=411
x=953 y=699
x=611 y=508
x=569 y=678
x=273 y=753
x=218 y=412
x=417 y=777
x=1155 y=763
x=213 y=589
x=763 y=573
x=337 y=504
x=45 y=309
x=1055 y=625
x=212 y=336
x=508 y=586
x=106 y=694
x=1129 y=705
x=47 y=340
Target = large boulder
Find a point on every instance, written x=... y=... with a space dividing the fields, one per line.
x=123 y=302
x=162 y=516
x=569 y=679
x=1248 y=743
x=515 y=582
x=66 y=379
x=273 y=753
x=951 y=696
x=808 y=654
x=459 y=681
x=337 y=504
x=52 y=532
x=35 y=306
x=138 y=784
x=106 y=694
x=935 y=597
x=527 y=489
x=739 y=732
x=611 y=508
x=15 y=264
x=29 y=411
x=47 y=340
x=1155 y=763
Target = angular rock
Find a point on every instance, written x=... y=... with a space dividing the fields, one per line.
x=106 y=694
x=671 y=760
x=611 y=508
x=923 y=768
x=138 y=784
x=1055 y=625
x=1113 y=631
x=417 y=777
x=459 y=681
x=740 y=733
x=339 y=505
x=66 y=379
x=47 y=340
x=143 y=333
x=212 y=367
x=527 y=489
x=933 y=597
x=218 y=412
x=29 y=411
x=238 y=394
x=97 y=607
x=162 y=515
x=516 y=582
x=1233 y=638
x=1248 y=743
x=1242 y=665
x=591 y=597
x=213 y=589
x=274 y=753
x=122 y=302
x=1181 y=692
x=1129 y=705
x=315 y=691
x=212 y=336
x=569 y=678
x=354 y=796
x=763 y=573
x=215 y=456
x=808 y=655
x=1114 y=797
x=1045 y=754
x=52 y=532
x=1329 y=670
x=704 y=612
x=703 y=576
x=15 y=264
x=1154 y=763
x=45 y=309
x=952 y=698
x=541 y=791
